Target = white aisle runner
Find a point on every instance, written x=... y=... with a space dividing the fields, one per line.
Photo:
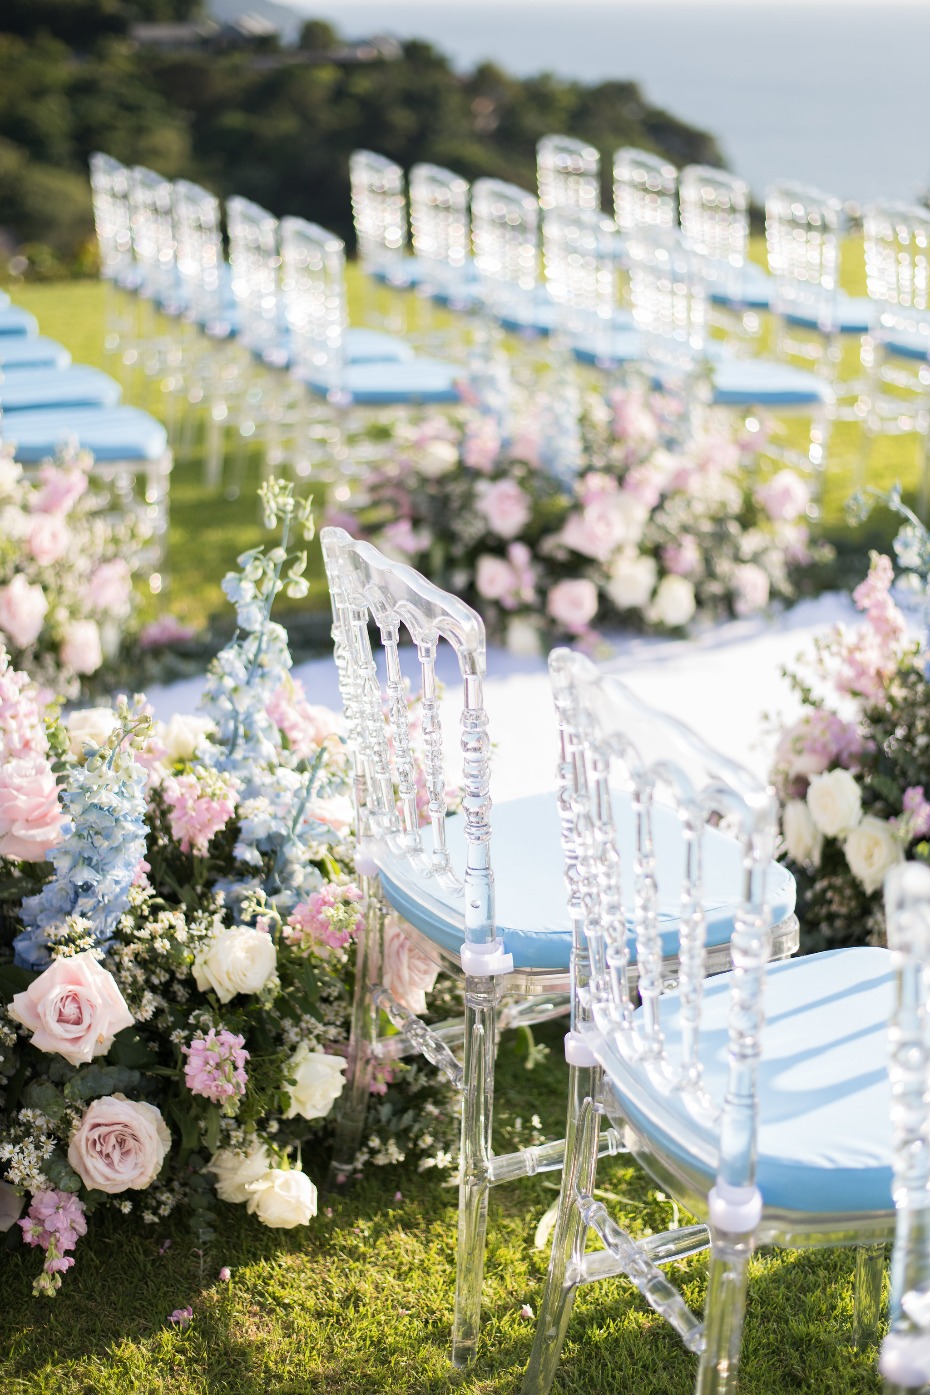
x=722 y=683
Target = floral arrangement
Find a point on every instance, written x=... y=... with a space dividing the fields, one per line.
x=853 y=772
x=67 y=606
x=647 y=532
x=180 y=903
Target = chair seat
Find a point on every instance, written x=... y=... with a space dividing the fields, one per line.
x=392 y=384
x=359 y=346
x=77 y=386
x=531 y=908
x=759 y=382
x=4 y=300
x=824 y=1144
x=402 y=272
x=17 y=352
x=911 y=342
x=847 y=315
x=608 y=347
x=13 y=320
x=747 y=286
x=109 y=433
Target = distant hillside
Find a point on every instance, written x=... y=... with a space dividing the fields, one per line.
x=285 y=19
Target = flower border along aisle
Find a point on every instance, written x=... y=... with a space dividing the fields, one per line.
x=180 y=995
x=648 y=533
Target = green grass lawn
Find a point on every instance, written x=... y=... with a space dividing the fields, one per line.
x=361 y=1301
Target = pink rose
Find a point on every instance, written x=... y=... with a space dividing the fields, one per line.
x=494 y=578
x=505 y=507
x=49 y=536
x=81 y=650
x=407 y=973
x=750 y=589
x=164 y=631
x=402 y=541
x=482 y=446
x=73 y=1008
x=61 y=488
x=110 y=587
x=784 y=497
x=22 y=611
x=683 y=557
x=30 y=815
x=119 y=1144
x=573 y=604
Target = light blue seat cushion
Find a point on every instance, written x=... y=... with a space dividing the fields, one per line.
x=4 y=300
x=77 y=386
x=403 y=272
x=747 y=286
x=907 y=343
x=13 y=320
x=531 y=908
x=18 y=352
x=847 y=315
x=824 y=1098
x=359 y=346
x=759 y=382
x=389 y=384
x=617 y=346
x=110 y=433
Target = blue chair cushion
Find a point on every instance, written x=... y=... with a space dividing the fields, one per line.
x=824 y=1142
x=4 y=300
x=18 y=352
x=604 y=347
x=110 y=433
x=847 y=315
x=77 y=386
x=374 y=346
x=387 y=384
x=759 y=382
x=531 y=906
x=748 y=286
x=907 y=343
x=13 y=320
x=403 y=272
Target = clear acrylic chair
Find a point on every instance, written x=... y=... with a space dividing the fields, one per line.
x=440 y=230
x=502 y=928
x=896 y=353
x=770 y=1128
x=505 y=238
x=109 y=183
x=714 y=209
x=159 y=350
x=644 y=191
x=379 y=215
x=568 y=173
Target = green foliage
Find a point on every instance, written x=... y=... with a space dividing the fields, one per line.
x=90 y=1082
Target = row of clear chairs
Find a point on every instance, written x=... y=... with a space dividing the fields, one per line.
x=779 y=1127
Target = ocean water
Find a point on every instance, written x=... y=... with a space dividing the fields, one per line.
x=831 y=94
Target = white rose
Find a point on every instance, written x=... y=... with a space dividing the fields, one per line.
x=632 y=581
x=240 y=960
x=835 y=802
x=89 y=725
x=235 y=1171
x=803 y=840
x=674 y=603
x=119 y=1144
x=183 y=735
x=437 y=459
x=318 y=1082
x=10 y=474
x=522 y=638
x=871 y=849
x=282 y=1199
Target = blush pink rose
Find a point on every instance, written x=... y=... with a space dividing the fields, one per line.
x=750 y=589
x=74 y=1009
x=61 y=489
x=23 y=608
x=505 y=506
x=573 y=604
x=49 y=536
x=120 y=1144
x=494 y=578
x=30 y=814
x=81 y=650
x=109 y=588
x=407 y=973
x=784 y=497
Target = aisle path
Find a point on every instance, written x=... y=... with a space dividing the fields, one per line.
x=722 y=683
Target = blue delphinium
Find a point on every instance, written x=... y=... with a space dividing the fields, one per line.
x=103 y=843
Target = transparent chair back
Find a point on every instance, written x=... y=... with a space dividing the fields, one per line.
x=379 y=211
x=568 y=172
x=505 y=231
x=439 y=227
x=668 y=292
x=715 y=222
x=580 y=270
x=644 y=190
x=313 y=286
x=897 y=264
x=109 y=183
x=802 y=234
x=153 y=236
x=199 y=237
x=254 y=261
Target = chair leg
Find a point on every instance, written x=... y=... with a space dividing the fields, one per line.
x=870 y=1269
x=353 y=1109
x=724 y=1309
x=477 y=1119
x=568 y=1240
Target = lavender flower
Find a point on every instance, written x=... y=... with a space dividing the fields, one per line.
x=215 y=1068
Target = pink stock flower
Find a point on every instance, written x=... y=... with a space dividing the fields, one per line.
x=482 y=445
x=22 y=728
x=328 y=919
x=200 y=803
x=504 y=505
x=62 y=486
x=23 y=608
x=49 y=536
x=215 y=1067
x=81 y=650
x=524 y=570
x=870 y=657
x=917 y=809
x=400 y=539
x=644 y=484
x=166 y=630
x=784 y=497
x=817 y=740
x=54 y=1223
x=30 y=815
x=683 y=557
x=109 y=587
x=306 y=726
x=573 y=604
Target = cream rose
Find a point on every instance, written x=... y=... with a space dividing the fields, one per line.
x=119 y=1144
x=407 y=973
x=871 y=849
x=835 y=802
x=11 y=1205
x=282 y=1199
x=522 y=639
x=319 y=1081
x=183 y=735
x=235 y=1171
x=73 y=1008
x=89 y=726
x=803 y=839
x=240 y=960
x=673 y=604
x=632 y=581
